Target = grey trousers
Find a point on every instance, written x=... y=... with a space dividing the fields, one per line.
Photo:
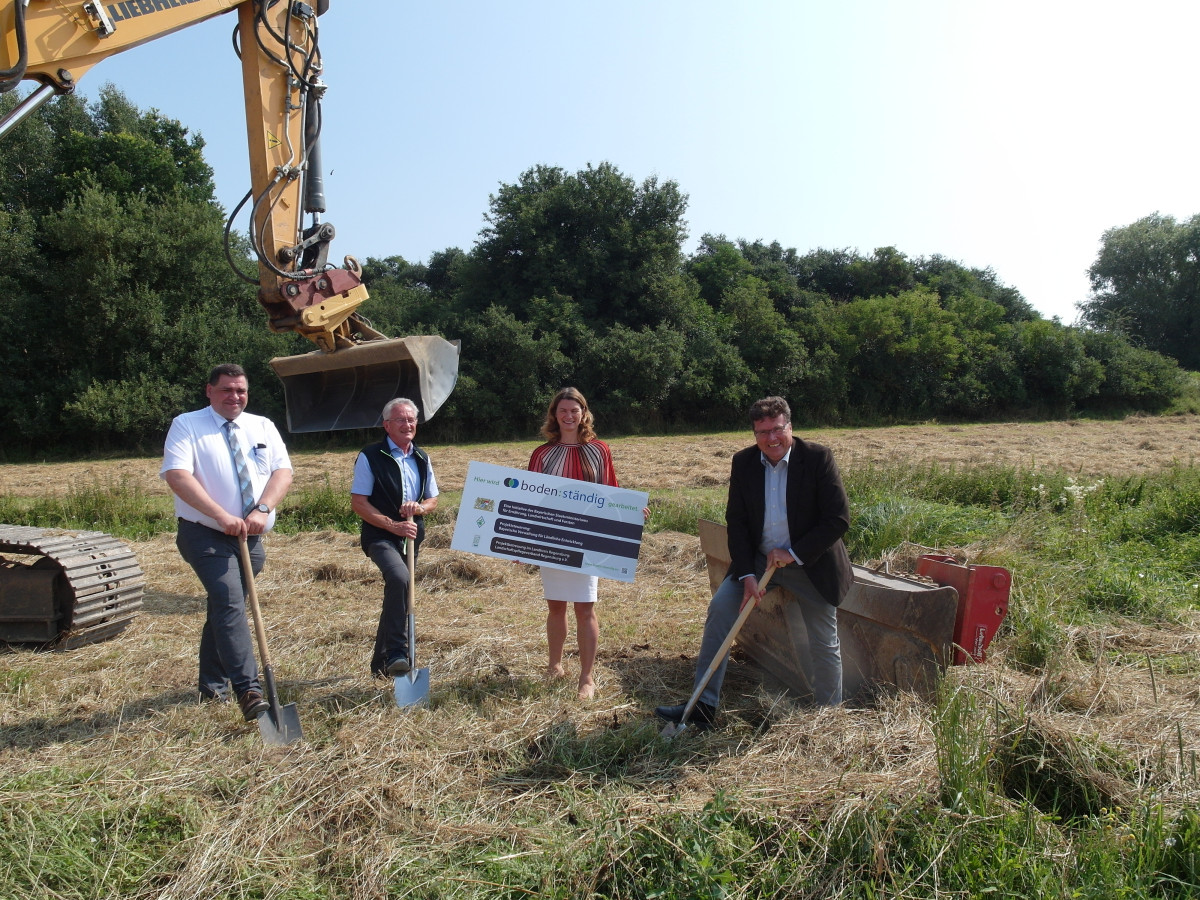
x=226 y=648
x=820 y=618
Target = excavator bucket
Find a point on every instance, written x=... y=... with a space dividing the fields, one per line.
x=348 y=388
x=896 y=633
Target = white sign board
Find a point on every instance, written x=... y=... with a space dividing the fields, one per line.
x=576 y=526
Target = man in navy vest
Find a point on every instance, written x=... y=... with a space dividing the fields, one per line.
x=393 y=490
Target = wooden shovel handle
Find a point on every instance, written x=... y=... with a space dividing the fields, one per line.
x=725 y=645
x=260 y=633
x=410 y=553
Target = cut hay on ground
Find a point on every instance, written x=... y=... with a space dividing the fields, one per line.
x=499 y=763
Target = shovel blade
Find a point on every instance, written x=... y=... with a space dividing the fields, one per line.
x=280 y=726
x=673 y=729
x=412 y=689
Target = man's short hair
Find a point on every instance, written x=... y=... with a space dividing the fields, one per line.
x=231 y=370
x=390 y=407
x=769 y=408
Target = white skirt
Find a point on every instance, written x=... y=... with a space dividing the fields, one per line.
x=569 y=587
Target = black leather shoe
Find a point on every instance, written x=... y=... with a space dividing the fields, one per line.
x=399 y=666
x=703 y=715
x=252 y=704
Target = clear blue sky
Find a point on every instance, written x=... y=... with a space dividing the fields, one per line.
x=1003 y=135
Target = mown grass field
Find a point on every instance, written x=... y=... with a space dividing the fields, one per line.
x=1064 y=767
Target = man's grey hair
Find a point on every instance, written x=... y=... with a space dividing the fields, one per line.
x=400 y=401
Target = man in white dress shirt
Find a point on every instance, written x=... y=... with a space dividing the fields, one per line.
x=229 y=470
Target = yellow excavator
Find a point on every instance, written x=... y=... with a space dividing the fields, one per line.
x=354 y=370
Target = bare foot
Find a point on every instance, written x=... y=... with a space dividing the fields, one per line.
x=587 y=690
x=553 y=672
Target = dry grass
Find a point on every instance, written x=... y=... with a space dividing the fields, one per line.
x=1135 y=444
x=373 y=789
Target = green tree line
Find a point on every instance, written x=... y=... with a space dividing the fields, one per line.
x=1146 y=285
x=581 y=278
x=117 y=298
x=115 y=294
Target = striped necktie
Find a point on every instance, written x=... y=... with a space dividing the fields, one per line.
x=241 y=467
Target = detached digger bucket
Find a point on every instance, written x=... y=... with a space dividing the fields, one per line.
x=348 y=388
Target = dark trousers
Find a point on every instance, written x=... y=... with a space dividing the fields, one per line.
x=391 y=637
x=226 y=648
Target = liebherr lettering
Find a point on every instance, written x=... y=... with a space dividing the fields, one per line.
x=131 y=9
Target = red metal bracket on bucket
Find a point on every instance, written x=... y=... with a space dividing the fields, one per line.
x=982 y=601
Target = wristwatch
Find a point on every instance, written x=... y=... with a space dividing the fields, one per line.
x=263 y=508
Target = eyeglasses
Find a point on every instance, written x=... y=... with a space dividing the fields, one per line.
x=778 y=431
x=408 y=421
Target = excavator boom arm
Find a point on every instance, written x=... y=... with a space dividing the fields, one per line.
x=55 y=42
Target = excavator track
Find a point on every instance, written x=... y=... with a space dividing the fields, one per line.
x=66 y=588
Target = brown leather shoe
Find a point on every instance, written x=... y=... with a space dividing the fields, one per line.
x=253 y=705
